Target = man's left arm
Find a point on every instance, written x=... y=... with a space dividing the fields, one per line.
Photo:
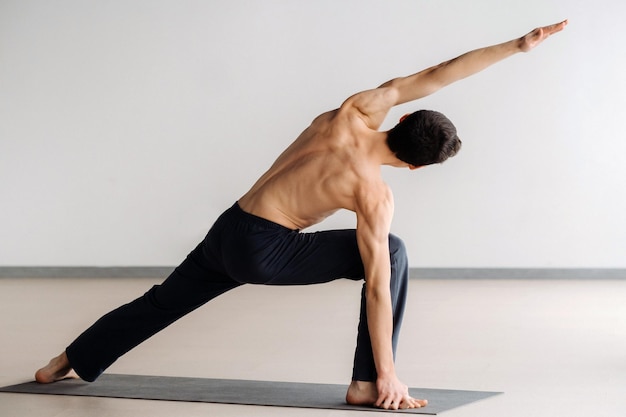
x=373 y=105
x=432 y=79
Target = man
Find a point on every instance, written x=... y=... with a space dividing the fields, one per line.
x=334 y=164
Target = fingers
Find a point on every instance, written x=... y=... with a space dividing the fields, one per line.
x=557 y=27
x=389 y=402
x=402 y=403
x=552 y=29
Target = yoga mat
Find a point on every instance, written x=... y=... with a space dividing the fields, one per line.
x=233 y=391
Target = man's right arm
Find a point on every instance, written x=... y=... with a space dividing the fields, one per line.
x=434 y=78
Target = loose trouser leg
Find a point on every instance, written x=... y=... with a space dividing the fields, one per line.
x=187 y=288
x=364 y=367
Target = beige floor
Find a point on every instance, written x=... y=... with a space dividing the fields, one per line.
x=556 y=348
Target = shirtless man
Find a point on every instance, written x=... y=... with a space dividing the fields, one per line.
x=334 y=164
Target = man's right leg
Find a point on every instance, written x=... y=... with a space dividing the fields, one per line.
x=191 y=285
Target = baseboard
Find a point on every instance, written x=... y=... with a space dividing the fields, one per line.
x=415 y=273
x=85 y=271
x=518 y=273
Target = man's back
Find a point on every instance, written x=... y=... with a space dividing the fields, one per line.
x=318 y=173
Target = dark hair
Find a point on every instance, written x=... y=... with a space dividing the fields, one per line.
x=423 y=138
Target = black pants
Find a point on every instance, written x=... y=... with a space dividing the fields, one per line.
x=240 y=249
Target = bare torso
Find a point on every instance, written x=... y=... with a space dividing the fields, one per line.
x=318 y=173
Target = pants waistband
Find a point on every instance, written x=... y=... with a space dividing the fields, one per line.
x=236 y=209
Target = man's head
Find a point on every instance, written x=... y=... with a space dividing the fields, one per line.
x=423 y=138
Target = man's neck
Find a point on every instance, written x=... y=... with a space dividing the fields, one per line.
x=380 y=152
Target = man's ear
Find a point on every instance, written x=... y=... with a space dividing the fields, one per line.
x=413 y=167
x=404 y=117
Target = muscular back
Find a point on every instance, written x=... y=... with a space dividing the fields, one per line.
x=319 y=173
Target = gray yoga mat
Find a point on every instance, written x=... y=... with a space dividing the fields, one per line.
x=233 y=391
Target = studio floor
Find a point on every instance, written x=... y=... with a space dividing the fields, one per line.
x=556 y=348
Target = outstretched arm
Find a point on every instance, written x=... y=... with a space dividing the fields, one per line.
x=374 y=104
x=432 y=79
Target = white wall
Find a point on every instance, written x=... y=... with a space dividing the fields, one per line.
x=126 y=127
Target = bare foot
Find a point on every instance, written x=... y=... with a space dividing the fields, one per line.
x=365 y=393
x=57 y=369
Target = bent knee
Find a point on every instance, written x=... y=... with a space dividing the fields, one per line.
x=396 y=246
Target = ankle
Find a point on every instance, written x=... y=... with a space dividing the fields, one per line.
x=361 y=393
